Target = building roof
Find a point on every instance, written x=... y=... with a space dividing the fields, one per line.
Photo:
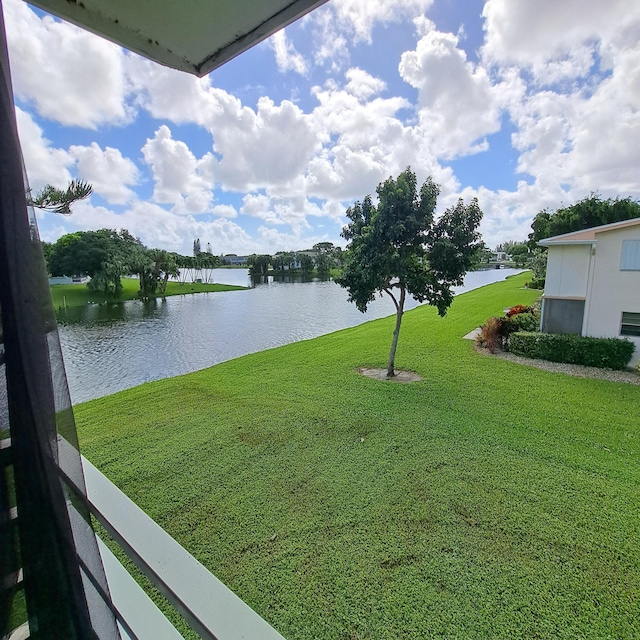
x=587 y=236
x=196 y=36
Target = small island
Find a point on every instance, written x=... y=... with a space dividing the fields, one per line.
x=77 y=295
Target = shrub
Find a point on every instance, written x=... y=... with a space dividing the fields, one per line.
x=522 y=322
x=491 y=334
x=518 y=309
x=607 y=353
x=535 y=283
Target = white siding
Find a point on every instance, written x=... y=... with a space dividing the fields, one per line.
x=568 y=271
x=613 y=290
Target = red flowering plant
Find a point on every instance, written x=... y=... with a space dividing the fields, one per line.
x=519 y=308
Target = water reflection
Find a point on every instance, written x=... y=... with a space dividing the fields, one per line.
x=111 y=347
x=107 y=313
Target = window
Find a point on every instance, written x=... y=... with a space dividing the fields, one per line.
x=630 y=324
x=630 y=260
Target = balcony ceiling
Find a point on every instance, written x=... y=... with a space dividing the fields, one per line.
x=196 y=36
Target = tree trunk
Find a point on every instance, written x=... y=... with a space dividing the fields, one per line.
x=396 y=332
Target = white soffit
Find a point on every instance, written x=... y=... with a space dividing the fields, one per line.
x=192 y=35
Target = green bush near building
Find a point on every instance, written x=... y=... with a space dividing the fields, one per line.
x=606 y=353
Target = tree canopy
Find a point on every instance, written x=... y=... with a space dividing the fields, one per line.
x=105 y=255
x=399 y=248
x=591 y=211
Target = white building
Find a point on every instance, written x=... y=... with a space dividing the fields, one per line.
x=592 y=286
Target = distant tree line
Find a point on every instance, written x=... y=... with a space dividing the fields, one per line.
x=322 y=257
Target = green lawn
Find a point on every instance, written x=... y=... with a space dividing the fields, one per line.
x=489 y=500
x=77 y=295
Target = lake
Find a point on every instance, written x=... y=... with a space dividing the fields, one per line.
x=108 y=348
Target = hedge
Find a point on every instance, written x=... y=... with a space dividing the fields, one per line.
x=607 y=353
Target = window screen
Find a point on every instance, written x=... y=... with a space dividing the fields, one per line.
x=630 y=260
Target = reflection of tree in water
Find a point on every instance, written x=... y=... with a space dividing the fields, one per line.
x=259 y=280
x=112 y=312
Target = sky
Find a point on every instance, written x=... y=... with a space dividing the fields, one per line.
x=524 y=105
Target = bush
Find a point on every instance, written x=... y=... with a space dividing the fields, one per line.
x=528 y=321
x=491 y=334
x=535 y=283
x=518 y=309
x=606 y=353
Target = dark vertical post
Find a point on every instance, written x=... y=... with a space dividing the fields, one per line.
x=56 y=601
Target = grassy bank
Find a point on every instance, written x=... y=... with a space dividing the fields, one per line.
x=489 y=500
x=77 y=295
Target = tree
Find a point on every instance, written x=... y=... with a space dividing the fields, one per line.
x=259 y=264
x=46 y=251
x=398 y=248
x=323 y=264
x=105 y=255
x=481 y=257
x=284 y=260
x=59 y=201
x=154 y=268
x=196 y=248
x=323 y=247
x=591 y=211
x=306 y=263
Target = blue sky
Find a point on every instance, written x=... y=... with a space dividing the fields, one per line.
x=523 y=105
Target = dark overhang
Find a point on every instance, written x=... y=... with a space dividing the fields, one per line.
x=196 y=36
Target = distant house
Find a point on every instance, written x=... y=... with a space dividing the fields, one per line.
x=235 y=261
x=500 y=256
x=592 y=286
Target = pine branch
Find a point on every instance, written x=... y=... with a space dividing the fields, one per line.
x=58 y=201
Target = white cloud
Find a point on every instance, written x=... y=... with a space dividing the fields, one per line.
x=268 y=147
x=70 y=75
x=265 y=147
x=365 y=141
x=605 y=154
x=287 y=58
x=176 y=96
x=45 y=164
x=458 y=103
x=224 y=211
x=363 y=85
x=341 y=22
x=107 y=170
x=179 y=177
x=558 y=41
x=278 y=210
x=585 y=139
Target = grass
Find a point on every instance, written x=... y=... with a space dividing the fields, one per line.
x=77 y=295
x=489 y=500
